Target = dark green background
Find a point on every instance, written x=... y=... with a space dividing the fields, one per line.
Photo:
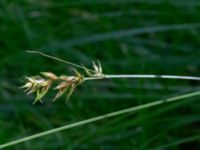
x=135 y=37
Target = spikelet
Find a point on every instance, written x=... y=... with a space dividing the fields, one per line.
x=41 y=84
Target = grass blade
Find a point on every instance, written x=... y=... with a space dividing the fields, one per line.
x=87 y=121
x=119 y=34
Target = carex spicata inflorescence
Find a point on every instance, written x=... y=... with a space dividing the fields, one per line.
x=41 y=84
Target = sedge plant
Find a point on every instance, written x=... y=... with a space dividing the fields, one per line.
x=41 y=84
x=65 y=84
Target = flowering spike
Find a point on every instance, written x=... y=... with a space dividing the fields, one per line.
x=40 y=85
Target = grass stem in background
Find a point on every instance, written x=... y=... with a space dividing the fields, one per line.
x=87 y=121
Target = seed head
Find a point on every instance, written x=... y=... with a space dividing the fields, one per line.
x=41 y=84
x=37 y=84
x=64 y=84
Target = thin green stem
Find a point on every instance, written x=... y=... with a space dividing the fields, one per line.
x=153 y=76
x=178 y=142
x=143 y=76
x=124 y=111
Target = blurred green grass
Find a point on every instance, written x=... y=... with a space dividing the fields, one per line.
x=127 y=37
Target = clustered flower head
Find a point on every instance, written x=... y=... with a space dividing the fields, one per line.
x=41 y=84
x=64 y=84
